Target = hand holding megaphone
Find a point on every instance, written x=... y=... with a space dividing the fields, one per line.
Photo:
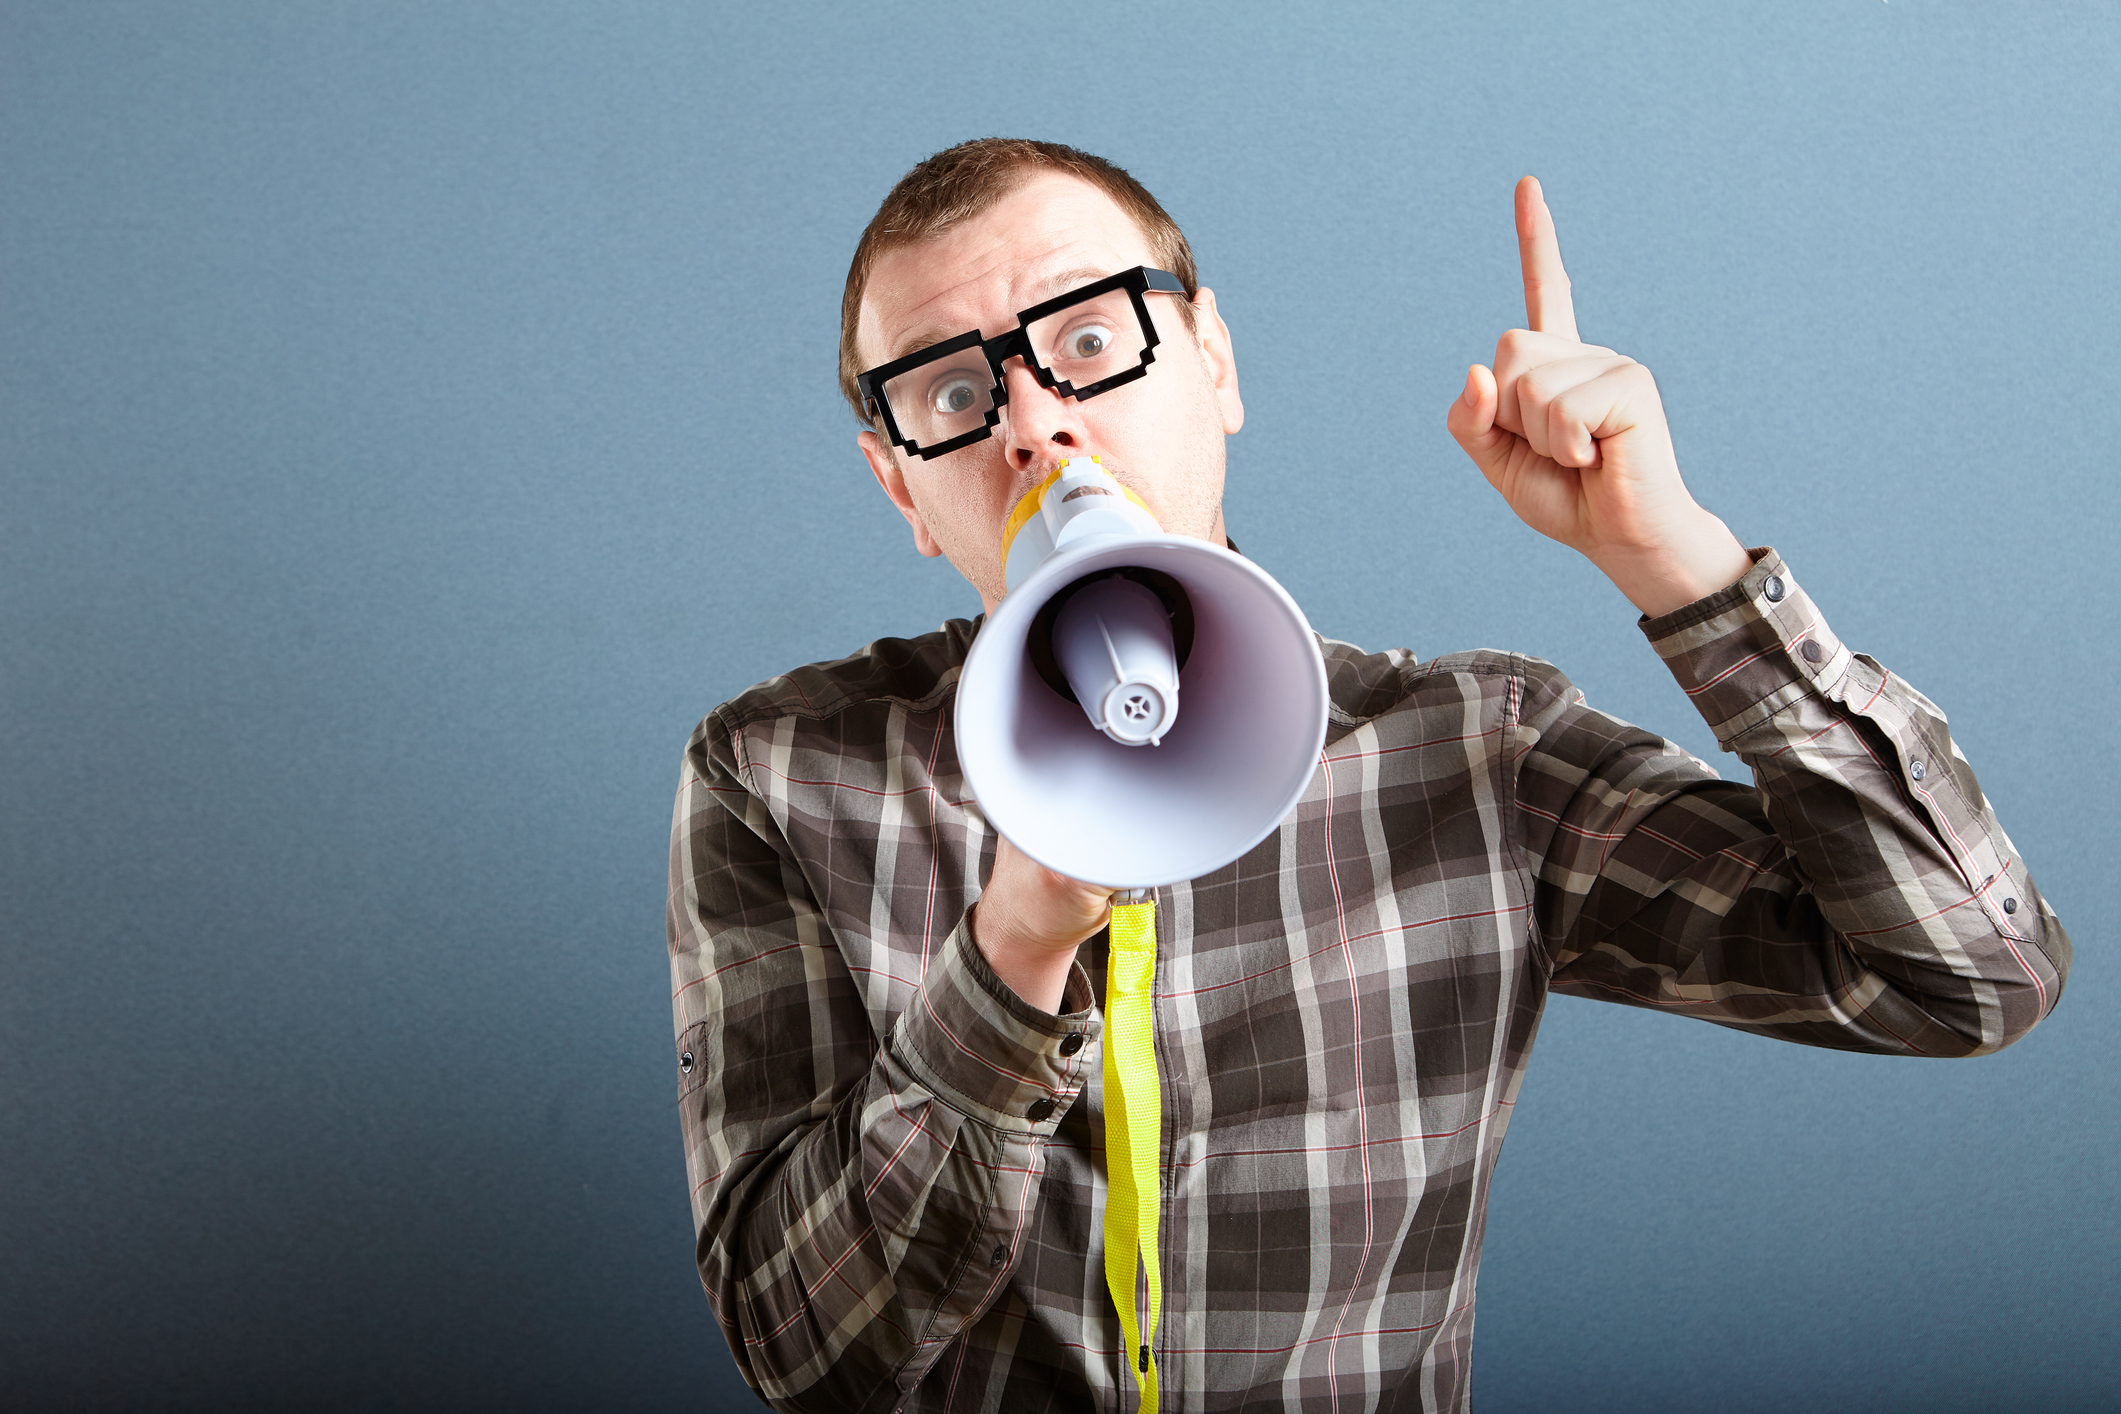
x=1030 y=921
x=1141 y=708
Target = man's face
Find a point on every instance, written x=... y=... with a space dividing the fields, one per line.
x=1161 y=436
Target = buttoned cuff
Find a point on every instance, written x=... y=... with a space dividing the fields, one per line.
x=1753 y=648
x=987 y=1052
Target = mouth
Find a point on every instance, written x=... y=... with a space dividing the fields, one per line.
x=1023 y=496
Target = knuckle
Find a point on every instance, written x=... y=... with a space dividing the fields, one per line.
x=1572 y=411
x=1638 y=381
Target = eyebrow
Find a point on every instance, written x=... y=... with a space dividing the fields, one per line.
x=928 y=335
x=1068 y=279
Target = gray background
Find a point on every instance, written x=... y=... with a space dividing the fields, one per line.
x=414 y=417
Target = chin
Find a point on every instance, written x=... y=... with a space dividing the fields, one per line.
x=988 y=586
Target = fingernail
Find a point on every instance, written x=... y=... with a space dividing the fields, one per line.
x=1471 y=396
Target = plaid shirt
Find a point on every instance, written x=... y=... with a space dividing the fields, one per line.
x=1342 y=1016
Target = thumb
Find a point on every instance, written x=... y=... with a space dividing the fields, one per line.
x=1472 y=422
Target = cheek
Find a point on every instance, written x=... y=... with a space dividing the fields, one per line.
x=962 y=505
x=1159 y=415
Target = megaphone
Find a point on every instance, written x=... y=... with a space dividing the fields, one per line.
x=1142 y=708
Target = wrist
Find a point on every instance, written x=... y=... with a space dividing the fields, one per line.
x=1036 y=969
x=1692 y=562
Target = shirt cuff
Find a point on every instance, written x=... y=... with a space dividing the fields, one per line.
x=1753 y=648
x=990 y=1054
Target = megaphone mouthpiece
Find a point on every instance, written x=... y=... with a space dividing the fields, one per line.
x=1078 y=500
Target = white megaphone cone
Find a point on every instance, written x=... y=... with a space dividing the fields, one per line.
x=1142 y=708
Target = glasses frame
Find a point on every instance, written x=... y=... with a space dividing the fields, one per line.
x=1139 y=282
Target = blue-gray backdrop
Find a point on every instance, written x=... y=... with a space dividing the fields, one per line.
x=413 y=417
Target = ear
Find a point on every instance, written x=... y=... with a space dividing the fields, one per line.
x=888 y=475
x=1214 y=337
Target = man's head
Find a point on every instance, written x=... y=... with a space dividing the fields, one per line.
x=988 y=228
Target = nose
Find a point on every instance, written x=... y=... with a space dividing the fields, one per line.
x=1038 y=426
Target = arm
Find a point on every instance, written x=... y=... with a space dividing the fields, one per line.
x=859 y=1197
x=1860 y=895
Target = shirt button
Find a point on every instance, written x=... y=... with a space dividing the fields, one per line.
x=2010 y=905
x=1039 y=1110
x=1001 y=1254
x=1773 y=589
x=1812 y=651
x=1071 y=1043
x=685 y=1063
x=1917 y=769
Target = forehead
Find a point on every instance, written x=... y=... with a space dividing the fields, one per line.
x=980 y=272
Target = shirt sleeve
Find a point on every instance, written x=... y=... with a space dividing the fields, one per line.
x=859 y=1195
x=1859 y=894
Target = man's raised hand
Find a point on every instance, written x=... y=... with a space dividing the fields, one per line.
x=1573 y=435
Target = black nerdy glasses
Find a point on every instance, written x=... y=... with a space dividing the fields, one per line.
x=1090 y=340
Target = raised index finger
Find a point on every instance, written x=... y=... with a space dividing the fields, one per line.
x=1546 y=284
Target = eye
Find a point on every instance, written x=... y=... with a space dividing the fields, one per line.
x=958 y=394
x=1089 y=341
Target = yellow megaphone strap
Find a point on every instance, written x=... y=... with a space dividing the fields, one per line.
x=1027 y=504
x=1026 y=507
x=1133 y=1135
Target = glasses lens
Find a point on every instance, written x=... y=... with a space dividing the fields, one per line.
x=943 y=399
x=1088 y=343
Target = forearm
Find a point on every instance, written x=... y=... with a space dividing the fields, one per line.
x=1843 y=900
x=859 y=1175
x=1890 y=831
x=846 y=1235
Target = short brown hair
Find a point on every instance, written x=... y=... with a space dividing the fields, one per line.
x=962 y=181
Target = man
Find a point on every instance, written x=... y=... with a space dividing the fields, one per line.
x=888 y=1018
